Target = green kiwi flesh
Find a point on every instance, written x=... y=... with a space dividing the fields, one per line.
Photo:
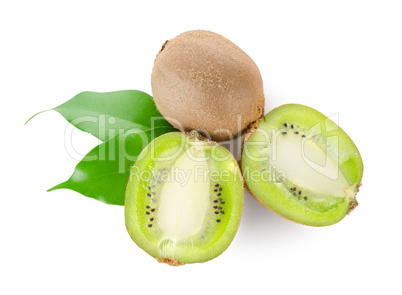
x=303 y=166
x=184 y=199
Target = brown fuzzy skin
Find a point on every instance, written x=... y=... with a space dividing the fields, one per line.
x=169 y=261
x=202 y=81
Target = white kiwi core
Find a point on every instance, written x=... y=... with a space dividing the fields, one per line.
x=184 y=197
x=305 y=164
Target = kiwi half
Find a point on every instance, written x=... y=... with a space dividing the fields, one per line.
x=184 y=199
x=202 y=81
x=300 y=164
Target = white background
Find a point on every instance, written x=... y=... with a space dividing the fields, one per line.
x=340 y=57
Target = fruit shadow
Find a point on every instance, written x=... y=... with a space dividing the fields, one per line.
x=257 y=220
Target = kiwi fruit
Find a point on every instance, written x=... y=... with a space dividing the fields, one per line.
x=202 y=81
x=300 y=164
x=184 y=199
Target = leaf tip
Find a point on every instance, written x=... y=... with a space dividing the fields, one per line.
x=59 y=186
x=35 y=116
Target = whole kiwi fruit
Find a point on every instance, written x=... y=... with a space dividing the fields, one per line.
x=202 y=81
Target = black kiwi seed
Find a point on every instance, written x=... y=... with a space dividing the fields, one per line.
x=149 y=225
x=152 y=210
x=219 y=194
x=223 y=212
x=305 y=198
x=220 y=189
x=296 y=132
x=286 y=125
x=284 y=132
x=215 y=190
x=215 y=207
x=304 y=135
x=291 y=126
x=216 y=185
x=147 y=213
x=216 y=212
x=299 y=192
x=216 y=201
x=218 y=220
x=149 y=188
x=222 y=202
x=151 y=219
x=148 y=195
x=147 y=207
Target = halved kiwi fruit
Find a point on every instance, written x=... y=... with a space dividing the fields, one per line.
x=300 y=164
x=184 y=199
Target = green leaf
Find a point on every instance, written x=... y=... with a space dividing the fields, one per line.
x=105 y=115
x=103 y=173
